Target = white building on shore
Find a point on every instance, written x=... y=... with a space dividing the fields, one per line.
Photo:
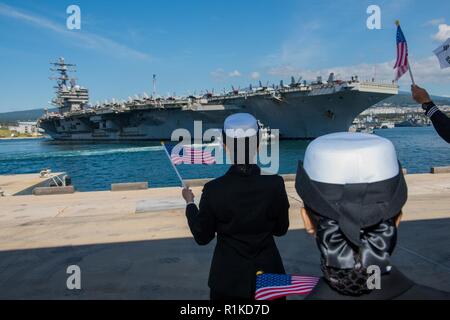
x=28 y=128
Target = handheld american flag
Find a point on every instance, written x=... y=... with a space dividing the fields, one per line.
x=189 y=154
x=275 y=286
x=402 y=63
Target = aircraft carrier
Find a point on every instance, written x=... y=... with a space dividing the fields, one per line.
x=299 y=110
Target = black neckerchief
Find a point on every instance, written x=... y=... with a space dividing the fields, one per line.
x=393 y=285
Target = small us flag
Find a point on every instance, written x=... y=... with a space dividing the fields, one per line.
x=190 y=154
x=402 y=64
x=275 y=286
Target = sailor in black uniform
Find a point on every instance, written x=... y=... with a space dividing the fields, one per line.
x=440 y=121
x=245 y=209
x=354 y=190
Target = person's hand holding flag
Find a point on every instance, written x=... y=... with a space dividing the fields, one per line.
x=420 y=95
x=440 y=121
x=188 y=195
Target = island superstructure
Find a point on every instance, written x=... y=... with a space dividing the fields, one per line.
x=299 y=110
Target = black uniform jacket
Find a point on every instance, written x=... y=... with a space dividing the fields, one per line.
x=394 y=286
x=440 y=122
x=245 y=210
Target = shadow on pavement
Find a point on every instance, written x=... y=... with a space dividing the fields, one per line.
x=178 y=268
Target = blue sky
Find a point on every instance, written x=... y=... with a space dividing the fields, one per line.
x=198 y=44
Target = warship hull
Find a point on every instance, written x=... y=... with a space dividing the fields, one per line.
x=297 y=114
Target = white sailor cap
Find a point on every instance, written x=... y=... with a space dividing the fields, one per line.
x=354 y=179
x=351 y=158
x=240 y=125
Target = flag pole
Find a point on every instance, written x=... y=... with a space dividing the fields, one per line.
x=410 y=74
x=183 y=185
x=397 y=23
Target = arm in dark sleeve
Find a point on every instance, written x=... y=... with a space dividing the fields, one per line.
x=281 y=207
x=440 y=122
x=201 y=221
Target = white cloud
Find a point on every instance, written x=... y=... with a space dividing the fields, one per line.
x=221 y=75
x=255 y=75
x=435 y=22
x=234 y=74
x=425 y=70
x=82 y=38
x=443 y=33
x=303 y=53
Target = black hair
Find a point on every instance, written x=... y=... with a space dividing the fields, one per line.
x=250 y=153
x=343 y=264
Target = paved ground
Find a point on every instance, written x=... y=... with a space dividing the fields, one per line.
x=150 y=255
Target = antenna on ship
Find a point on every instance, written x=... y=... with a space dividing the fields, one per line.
x=69 y=96
x=154 y=85
x=62 y=68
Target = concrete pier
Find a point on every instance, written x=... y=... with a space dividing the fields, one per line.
x=129 y=186
x=440 y=170
x=136 y=244
x=24 y=184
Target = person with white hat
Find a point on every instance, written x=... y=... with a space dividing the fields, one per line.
x=245 y=209
x=353 y=190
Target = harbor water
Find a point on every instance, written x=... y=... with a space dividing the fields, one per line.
x=96 y=166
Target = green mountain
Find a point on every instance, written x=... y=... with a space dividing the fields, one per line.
x=26 y=115
x=404 y=99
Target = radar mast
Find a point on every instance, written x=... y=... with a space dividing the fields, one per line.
x=69 y=96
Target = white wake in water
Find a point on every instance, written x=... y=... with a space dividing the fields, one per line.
x=77 y=153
